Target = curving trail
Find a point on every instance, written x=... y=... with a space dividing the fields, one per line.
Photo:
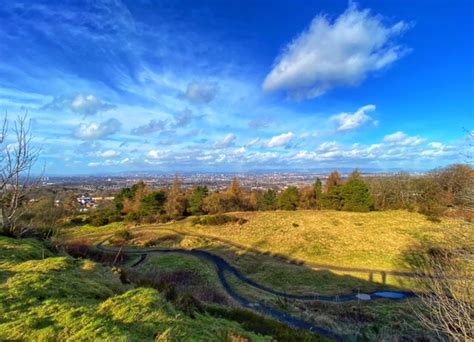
x=223 y=266
x=292 y=261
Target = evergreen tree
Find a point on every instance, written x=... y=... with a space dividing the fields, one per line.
x=289 y=199
x=318 y=190
x=332 y=199
x=356 y=197
x=197 y=200
x=153 y=203
x=267 y=200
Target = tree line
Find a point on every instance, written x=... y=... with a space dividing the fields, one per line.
x=430 y=194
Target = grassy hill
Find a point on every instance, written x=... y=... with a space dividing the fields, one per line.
x=325 y=252
x=45 y=297
x=340 y=251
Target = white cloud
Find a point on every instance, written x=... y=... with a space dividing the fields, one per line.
x=96 y=130
x=227 y=141
x=400 y=138
x=341 y=53
x=395 y=137
x=280 y=140
x=156 y=154
x=347 y=121
x=199 y=92
x=81 y=104
x=88 y=105
x=109 y=154
x=253 y=142
x=436 y=145
x=328 y=146
x=239 y=151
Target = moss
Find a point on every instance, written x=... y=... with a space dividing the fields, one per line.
x=60 y=298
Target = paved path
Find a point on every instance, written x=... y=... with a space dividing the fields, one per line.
x=223 y=267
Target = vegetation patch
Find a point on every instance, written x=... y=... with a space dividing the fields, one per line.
x=217 y=220
x=60 y=298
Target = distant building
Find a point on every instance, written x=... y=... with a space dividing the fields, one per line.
x=86 y=202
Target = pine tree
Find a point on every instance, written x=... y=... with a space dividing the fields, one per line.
x=318 y=190
x=197 y=200
x=356 y=197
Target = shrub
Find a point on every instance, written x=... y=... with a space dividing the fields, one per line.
x=99 y=220
x=216 y=220
x=123 y=234
x=132 y=217
x=262 y=325
x=76 y=220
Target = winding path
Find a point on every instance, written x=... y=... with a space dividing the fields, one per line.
x=223 y=266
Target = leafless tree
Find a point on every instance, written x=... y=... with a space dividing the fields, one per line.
x=446 y=301
x=17 y=158
x=447 y=296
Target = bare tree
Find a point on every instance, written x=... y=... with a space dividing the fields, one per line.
x=446 y=302
x=447 y=272
x=17 y=158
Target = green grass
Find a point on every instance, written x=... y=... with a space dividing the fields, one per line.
x=268 y=245
x=53 y=298
x=262 y=246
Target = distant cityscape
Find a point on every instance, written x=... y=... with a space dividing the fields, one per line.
x=214 y=181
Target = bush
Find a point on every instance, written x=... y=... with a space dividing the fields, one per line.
x=132 y=217
x=123 y=235
x=99 y=220
x=262 y=325
x=216 y=220
x=76 y=220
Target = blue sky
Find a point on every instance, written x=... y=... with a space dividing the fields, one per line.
x=240 y=85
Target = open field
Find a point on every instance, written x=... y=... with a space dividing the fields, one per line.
x=303 y=251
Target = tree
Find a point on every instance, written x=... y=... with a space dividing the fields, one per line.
x=355 y=196
x=196 y=202
x=446 y=304
x=214 y=203
x=307 y=198
x=289 y=199
x=44 y=215
x=456 y=181
x=355 y=174
x=318 y=190
x=233 y=196
x=332 y=198
x=175 y=202
x=153 y=202
x=428 y=197
x=334 y=179
x=16 y=161
x=267 y=200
